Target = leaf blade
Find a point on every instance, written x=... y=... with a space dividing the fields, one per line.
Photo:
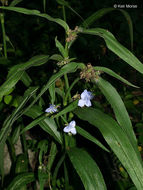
x=116 y=47
x=37 y=13
x=86 y=168
x=117 y=140
x=115 y=75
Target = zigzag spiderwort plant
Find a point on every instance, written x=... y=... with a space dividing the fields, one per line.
x=60 y=122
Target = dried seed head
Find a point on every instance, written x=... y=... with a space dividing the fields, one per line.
x=88 y=73
x=4 y=2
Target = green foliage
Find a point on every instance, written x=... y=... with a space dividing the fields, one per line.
x=117 y=140
x=20 y=180
x=49 y=142
x=86 y=169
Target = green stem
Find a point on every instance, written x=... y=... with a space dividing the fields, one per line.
x=71 y=86
x=67 y=88
x=11 y=150
x=66 y=142
x=3 y=34
x=44 y=6
x=66 y=177
x=64 y=119
x=56 y=171
x=23 y=142
x=64 y=13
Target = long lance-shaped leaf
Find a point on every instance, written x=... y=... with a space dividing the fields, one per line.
x=47 y=124
x=87 y=169
x=88 y=136
x=69 y=68
x=52 y=155
x=14 y=3
x=21 y=180
x=115 y=47
x=100 y=13
x=120 y=111
x=117 y=140
x=17 y=71
x=67 y=109
x=37 y=13
x=10 y=120
x=5 y=130
x=113 y=74
x=34 y=123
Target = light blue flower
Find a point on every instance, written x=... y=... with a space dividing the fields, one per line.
x=51 y=109
x=70 y=128
x=86 y=96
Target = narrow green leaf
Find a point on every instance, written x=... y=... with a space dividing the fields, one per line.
x=69 y=68
x=20 y=180
x=116 y=47
x=67 y=109
x=88 y=136
x=117 y=140
x=35 y=61
x=42 y=178
x=34 y=123
x=87 y=169
x=10 y=91
x=43 y=148
x=37 y=13
x=47 y=124
x=60 y=92
x=26 y=79
x=70 y=88
x=17 y=71
x=15 y=135
x=55 y=173
x=21 y=164
x=10 y=119
x=56 y=57
x=113 y=74
x=52 y=155
x=61 y=48
x=52 y=93
x=14 y=3
x=10 y=83
x=8 y=99
x=119 y=109
x=100 y=13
